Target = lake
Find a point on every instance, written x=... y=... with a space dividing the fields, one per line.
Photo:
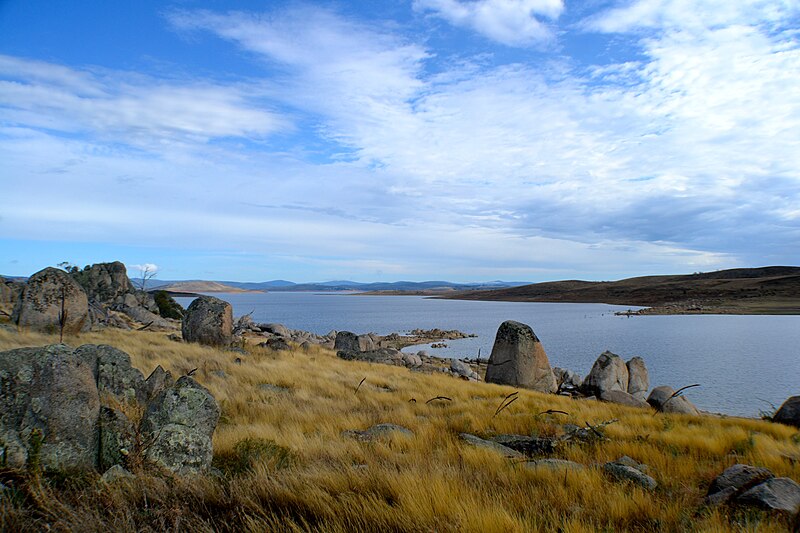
x=741 y=362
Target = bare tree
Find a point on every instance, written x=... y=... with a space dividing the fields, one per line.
x=148 y=272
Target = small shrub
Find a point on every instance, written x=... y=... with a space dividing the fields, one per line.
x=248 y=452
x=167 y=306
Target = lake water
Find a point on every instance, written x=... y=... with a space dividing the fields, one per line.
x=741 y=362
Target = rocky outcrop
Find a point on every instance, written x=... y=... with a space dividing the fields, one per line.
x=65 y=409
x=638 y=378
x=662 y=399
x=789 y=412
x=776 y=494
x=9 y=294
x=567 y=380
x=48 y=295
x=623 y=398
x=106 y=283
x=518 y=359
x=734 y=481
x=209 y=321
x=609 y=373
x=755 y=487
x=179 y=423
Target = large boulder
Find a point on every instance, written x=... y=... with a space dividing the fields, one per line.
x=48 y=401
x=179 y=423
x=638 y=378
x=734 y=481
x=608 y=373
x=114 y=374
x=662 y=399
x=209 y=321
x=9 y=293
x=518 y=359
x=623 y=398
x=106 y=283
x=789 y=412
x=45 y=296
x=776 y=494
x=346 y=342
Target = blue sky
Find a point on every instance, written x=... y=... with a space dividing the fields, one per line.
x=403 y=139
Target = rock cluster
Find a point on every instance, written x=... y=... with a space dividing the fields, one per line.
x=518 y=359
x=612 y=379
x=756 y=487
x=67 y=409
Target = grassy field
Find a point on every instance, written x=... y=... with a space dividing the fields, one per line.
x=287 y=466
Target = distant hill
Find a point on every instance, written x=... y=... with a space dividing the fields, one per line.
x=198 y=286
x=769 y=290
x=323 y=286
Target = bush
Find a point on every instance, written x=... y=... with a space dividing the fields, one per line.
x=247 y=452
x=167 y=306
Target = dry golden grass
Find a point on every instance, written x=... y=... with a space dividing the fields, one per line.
x=429 y=482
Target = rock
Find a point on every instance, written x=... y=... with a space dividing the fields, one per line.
x=423 y=353
x=554 y=464
x=208 y=321
x=180 y=422
x=9 y=292
x=275 y=329
x=460 y=368
x=478 y=442
x=113 y=373
x=51 y=391
x=518 y=359
x=638 y=378
x=145 y=317
x=633 y=463
x=40 y=303
x=776 y=494
x=379 y=431
x=117 y=437
x=114 y=474
x=528 y=445
x=412 y=360
x=567 y=379
x=366 y=343
x=629 y=473
x=735 y=480
x=346 y=342
x=106 y=283
x=276 y=344
x=789 y=412
x=662 y=400
x=608 y=373
x=623 y=398
x=158 y=380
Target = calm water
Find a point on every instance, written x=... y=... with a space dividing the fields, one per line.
x=739 y=360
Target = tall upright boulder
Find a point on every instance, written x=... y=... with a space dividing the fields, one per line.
x=105 y=282
x=518 y=359
x=209 y=321
x=49 y=408
x=638 y=378
x=608 y=373
x=9 y=294
x=346 y=341
x=46 y=294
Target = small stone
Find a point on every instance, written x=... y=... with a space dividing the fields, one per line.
x=489 y=445
x=114 y=474
x=628 y=473
x=379 y=431
x=777 y=494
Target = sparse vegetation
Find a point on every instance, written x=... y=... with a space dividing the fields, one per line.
x=167 y=306
x=286 y=466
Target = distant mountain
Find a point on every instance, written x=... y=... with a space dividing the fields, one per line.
x=772 y=290
x=335 y=285
x=198 y=286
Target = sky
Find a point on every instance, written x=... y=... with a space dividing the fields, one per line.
x=461 y=140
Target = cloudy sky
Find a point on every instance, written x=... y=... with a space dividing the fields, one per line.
x=402 y=139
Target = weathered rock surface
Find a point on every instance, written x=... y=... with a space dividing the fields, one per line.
x=346 y=341
x=662 y=400
x=275 y=329
x=527 y=445
x=608 y=373
x=638 y=378
x=40 y=304
x=180 y=422
x=158 y=380
x=789 y=412
x=623 y=398
x=105 y=282
x=776 y=494
x=113 y=373
x=143 y=316
x=623 y=472
x=735 y=480
x=9 y=293
x=379 y=431
x=518 y=359
x=209 y=321
x=489 y=445
x=51 y=391
x=114 y=474
x=567 y=380
x=117 y=437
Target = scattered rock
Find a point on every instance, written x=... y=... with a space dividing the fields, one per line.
x=735 y=480
x=209 y=321
x=276 y=344
x=528 y=445
x=40 y=304
x=158 y=380
x=633 y=463
x=662 y=399
x=460 y=368
x=628 y=473
x=776 y=494
x=789 y=412
x=518 y=359
x=379 y=431
x=554 y=464
x=489 y=445
x=180 y=422
x=106 y=283
x=638 y=378
x=411 y=360
x=567 y=380
x=623 y=398
x=275 y=329
x=608 y=373
x=114 y=474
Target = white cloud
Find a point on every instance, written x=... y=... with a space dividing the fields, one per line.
x=135 y=110
x=510 y=22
